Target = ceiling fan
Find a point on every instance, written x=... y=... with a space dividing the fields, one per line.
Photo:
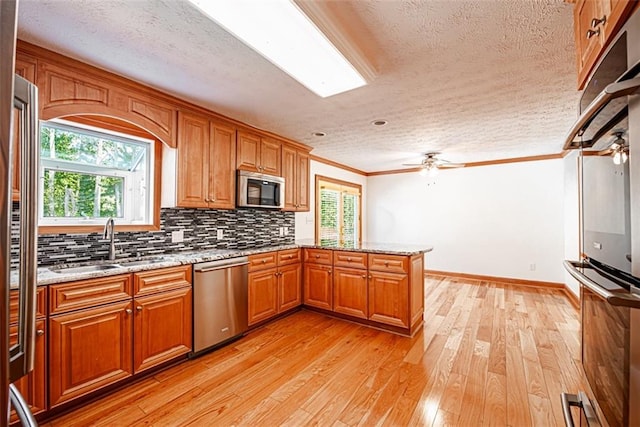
x=431 y=163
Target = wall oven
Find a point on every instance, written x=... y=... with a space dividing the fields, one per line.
x=608 y=134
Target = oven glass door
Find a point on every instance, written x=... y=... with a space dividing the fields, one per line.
x=605 y=355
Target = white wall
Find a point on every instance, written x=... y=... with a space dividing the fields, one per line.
x=305 y=221
x=490 y=220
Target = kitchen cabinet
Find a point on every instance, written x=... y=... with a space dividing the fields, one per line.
x=104 y=330
x=260 y=154
x=162 y=328
x=318 y=278
x=33 y=386
x=595 y=24
x=350 y=284
x=90 y=344
x=384 y=290
x=206 y=163
x=274 y=284
x=295 y=171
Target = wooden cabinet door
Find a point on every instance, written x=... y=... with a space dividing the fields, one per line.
x=588 y=45
x=248 y=152
x=289 y=295
x=318 y=286
x=263 y=295
x=302 y=181
x=350 y=292
x=193 y=161
x=222 y=167
x=289 y=163
x=162 y=328
x=33 y=386
x=270 y=156
x=88 y=350
x=389 y=298
x=616 y=12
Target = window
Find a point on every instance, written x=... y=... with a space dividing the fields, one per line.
x=89 y=174
x=338 y=208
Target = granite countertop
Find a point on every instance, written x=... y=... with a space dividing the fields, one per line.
x=58 y=274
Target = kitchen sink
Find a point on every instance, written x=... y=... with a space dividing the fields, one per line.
x=84 y=269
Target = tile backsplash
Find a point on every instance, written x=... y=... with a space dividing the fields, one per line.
x=241 y=228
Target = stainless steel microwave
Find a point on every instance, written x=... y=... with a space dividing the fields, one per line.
x=256 y=190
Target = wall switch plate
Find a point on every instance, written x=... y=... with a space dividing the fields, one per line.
x=286 y=231
x=177 y=236
x=281 y=231
x=532 y=267
x=220 y=234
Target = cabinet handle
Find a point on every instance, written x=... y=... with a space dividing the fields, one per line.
x=595 y=21
x=264 y=261
x=329 y=271
x=370 y=277
x=349 y=259
x=386 y=263
x=317 y=256
x=128 y=311
x=39 y=332
x=364 y=276
x=139 y=308
x=591 y=33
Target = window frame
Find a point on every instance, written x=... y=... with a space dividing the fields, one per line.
x=342 y=186
x=126 y=129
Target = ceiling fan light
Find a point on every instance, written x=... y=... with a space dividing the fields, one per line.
x=617 y=157
x=624 y=156
x=433 y=171
x=423 y=172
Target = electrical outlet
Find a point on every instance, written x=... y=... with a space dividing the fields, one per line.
x=532 y=267
x=177 y=236
x=281 y=231
x=220 y=234
x=286 y=231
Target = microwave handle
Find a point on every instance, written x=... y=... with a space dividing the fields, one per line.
x=581 y=401
x=611 y=92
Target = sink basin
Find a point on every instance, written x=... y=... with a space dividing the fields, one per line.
x=84 y=269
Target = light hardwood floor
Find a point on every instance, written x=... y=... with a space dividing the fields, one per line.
x=489 y=354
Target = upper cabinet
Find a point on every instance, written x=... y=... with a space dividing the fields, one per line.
x=259 y=154
x=206 y=163
x=595 y=24
x=295 y=171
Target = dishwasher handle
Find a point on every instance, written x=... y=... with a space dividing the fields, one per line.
x=220 y=264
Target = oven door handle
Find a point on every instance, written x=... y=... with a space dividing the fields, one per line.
x=581 y=401
x=613 y=299
x=611 y=92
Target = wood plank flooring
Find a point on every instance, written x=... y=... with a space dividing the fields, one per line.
x=489 y=354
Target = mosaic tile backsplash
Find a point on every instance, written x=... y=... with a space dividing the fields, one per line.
x=242 y=229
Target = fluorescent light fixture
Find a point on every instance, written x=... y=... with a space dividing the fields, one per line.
x=283 y=34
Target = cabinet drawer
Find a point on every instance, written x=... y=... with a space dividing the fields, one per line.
x=41 y=304
x=318 y=256
x=290 y=256
x=262 y=261
x=388 y=263
x=165 y=279
x=349 y=259
x=89 y=293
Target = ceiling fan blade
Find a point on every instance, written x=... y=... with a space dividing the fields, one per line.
x=413 y=164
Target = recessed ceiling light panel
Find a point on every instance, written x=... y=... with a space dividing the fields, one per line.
x=379 y=122
x=319 y=134
x=283 y=34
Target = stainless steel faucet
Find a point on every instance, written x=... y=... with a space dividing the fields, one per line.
x=109 y=233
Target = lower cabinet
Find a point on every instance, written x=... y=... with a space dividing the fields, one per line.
x=350 y=292
x=318 y=286
x=389 y=298
x=89 y=349
x=101 y=333
x=274 y=284
x=33 y=386
x=162 y=328
x=263 y=295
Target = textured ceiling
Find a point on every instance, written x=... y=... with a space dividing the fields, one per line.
x=477 y=80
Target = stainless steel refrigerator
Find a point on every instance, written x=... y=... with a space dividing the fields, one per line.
x=18 y=141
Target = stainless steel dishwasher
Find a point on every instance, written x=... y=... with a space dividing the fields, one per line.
x=219 y=302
